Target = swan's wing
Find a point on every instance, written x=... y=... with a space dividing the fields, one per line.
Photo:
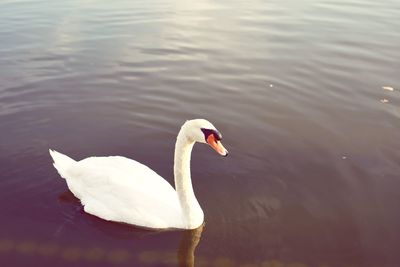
x=124 y=190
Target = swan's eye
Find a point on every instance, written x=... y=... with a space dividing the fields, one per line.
x=208 y=132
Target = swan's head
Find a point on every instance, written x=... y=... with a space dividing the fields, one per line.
x=202 y=131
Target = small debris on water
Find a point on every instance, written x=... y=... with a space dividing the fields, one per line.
x=271 y=85
x=384 y=100
x=388 y=88
x=344 y=157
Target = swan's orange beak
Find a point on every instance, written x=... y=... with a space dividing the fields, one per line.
x=216 y=144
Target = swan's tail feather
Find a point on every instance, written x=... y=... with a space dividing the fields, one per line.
x=61 y=162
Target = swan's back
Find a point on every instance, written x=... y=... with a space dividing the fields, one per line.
x=120 y=189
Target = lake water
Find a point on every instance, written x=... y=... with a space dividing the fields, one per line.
x=295 y=87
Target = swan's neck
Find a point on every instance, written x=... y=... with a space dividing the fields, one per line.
x=193 y=215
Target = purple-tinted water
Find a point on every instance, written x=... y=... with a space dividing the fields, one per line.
x=295 y=87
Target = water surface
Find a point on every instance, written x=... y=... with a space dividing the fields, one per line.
x=295 y=87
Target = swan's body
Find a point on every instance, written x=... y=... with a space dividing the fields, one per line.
x=124 y=190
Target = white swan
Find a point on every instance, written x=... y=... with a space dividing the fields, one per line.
x=123 y=190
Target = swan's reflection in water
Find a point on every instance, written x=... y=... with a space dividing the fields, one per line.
x=185 y=256
x=187 y=247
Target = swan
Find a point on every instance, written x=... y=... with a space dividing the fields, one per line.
x=120 y=189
